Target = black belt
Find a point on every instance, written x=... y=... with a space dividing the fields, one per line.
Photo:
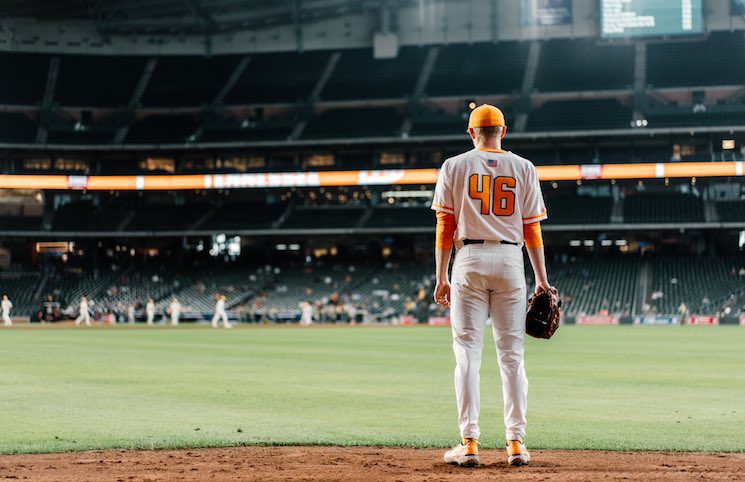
x=466 y=242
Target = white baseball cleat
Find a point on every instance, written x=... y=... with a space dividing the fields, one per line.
x=465 y=454
x=517 y=454
x=228 y=326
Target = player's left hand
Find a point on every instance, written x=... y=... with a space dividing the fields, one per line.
x=442 y=294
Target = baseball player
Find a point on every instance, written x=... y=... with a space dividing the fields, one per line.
x=6 y=306
x=150 y=311
x=220 y=313
x=488 y=204
x=83 y=315
x=306 y=313
x=175 y=310
x=131 y=314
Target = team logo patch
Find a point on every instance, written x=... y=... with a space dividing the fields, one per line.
x=492 y=162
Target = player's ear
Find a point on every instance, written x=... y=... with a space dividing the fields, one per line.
x=504 y=131
x=471 y=133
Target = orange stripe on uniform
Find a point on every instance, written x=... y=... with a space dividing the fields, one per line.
x=440 y=206
x=543 y=213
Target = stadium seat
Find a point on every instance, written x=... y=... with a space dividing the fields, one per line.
x=354 y=122
x=23 y=78
x=690 y=280
x=170 y=128
x=582 y=64
x=360 y=76
x=731 y=211
x=97 y=80
x=17 y=127
x=164 y=217
x=391 y=217
x=187 y=80
x=713 y=61
x=562 y=115
x=245 y=215
x=323 y=217
x=478 y=69
x=663 y=207
x=278 y=77
x=572 y=209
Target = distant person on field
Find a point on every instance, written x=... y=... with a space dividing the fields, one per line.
x=306 y=313
x=84 y=314
x=150 y=311
x=175 y=311
x=131 y=313
x=6 y=306
x=220 y=313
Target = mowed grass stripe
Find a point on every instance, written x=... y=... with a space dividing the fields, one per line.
x=591 y=387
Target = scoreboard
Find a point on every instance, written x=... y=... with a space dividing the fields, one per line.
x=649 y=18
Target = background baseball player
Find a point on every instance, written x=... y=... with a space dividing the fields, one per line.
x=84 y=314
x=131 y=313
x=6 y=306
x=220 y=313
x=175 y=310
x=150 y=311
x=488 y=202
x=306 y=313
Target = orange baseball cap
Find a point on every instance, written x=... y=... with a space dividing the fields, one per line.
x=485 y=115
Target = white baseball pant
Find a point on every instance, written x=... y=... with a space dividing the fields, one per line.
x=83 y=316
x=6 y=319
x=489 y=280
x=220 y=315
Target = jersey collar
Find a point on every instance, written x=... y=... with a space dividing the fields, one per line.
x=486 y=149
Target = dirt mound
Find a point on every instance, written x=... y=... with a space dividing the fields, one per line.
x=361 y=463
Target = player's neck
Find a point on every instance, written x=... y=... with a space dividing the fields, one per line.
x=494 y=144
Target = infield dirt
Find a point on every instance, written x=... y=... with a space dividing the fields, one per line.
x=362 y=463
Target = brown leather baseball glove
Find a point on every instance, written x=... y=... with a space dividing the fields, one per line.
x=542 y=319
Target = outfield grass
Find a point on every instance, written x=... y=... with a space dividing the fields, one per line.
x=604 y=387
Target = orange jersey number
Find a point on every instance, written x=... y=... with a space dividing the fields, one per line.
x=500 y=200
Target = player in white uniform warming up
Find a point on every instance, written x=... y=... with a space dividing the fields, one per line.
x=488 y=203
x=6 y=306
x=220 y=313
x=150 y=311
x=84 y=315
x=175 y=311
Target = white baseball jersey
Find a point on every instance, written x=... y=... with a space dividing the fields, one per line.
x=150 y=307
x=7 y=305
x=220 y=306
x=492 y=193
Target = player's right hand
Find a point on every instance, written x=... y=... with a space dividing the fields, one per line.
x=442 y=294
x=543 y=286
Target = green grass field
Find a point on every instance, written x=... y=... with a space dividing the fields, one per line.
x=606 y=387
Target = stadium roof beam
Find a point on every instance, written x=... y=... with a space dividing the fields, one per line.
x=147 y=73
x=194 y=17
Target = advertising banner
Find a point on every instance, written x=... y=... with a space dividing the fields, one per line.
x=703 y=320
x=439 y=321
x=657 y=320
x=598 y=320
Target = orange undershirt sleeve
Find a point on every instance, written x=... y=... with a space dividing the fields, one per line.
x=445 y=230
x=533 y=236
